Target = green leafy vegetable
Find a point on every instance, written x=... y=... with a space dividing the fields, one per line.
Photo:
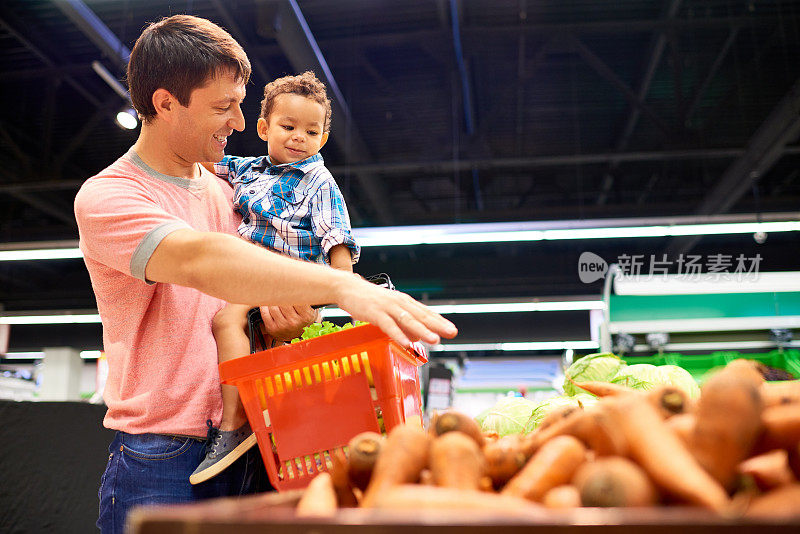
x=508 y=416
x=640 y=376
x=325 y=327
x=601 y=367
x=680 y=377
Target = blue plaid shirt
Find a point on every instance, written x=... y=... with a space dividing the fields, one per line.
x=294 y=208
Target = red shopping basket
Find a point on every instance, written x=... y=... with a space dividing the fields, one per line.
x=307 y=399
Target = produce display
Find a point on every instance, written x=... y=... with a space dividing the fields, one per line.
x=733 y=450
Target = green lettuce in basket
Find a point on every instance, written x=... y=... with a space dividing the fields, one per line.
x=325 y=327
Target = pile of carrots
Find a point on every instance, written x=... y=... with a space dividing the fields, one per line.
x=734 y=451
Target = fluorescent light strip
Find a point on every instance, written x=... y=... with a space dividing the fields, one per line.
x=707 y=283
x=494 y=233
x=51 y=319
x=40 y=254
x=38 y=355
x=451 y=234
x=499 y=307
x=516 y=346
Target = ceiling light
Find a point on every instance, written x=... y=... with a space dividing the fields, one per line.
x=497 y=307
x=534 y=231
x=54 y=318
x=707 y=283
x=38 y=355
x=128 y=119
x=40 y=254
x=516 y=346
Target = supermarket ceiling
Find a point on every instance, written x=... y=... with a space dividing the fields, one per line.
x=447 y=112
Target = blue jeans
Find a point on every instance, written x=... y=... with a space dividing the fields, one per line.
x=146 y=469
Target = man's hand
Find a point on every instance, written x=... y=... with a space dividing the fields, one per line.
x=283 y=323
x=398 y=315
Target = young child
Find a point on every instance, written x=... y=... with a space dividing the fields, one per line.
x=289 y=203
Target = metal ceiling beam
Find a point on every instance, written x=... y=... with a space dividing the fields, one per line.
x=654 y=59
x=547 y=30
x=8 y=25
x=44 y=206
x=46 y=72
x=446 y=166
x=300 y=47
x=701 y=89
x=96 y=30
x=765 y=148
x=600 y=66
x=233 y=28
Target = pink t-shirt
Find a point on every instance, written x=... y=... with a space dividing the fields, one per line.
x=162 y=359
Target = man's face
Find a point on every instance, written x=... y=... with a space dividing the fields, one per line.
x=294 y=129
x=202 y=128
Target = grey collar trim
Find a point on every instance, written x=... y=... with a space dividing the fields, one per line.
x=185 y=183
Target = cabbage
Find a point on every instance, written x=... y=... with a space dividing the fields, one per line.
x=646 y=376
x=680 y=377
x=508 y=416
x=640 y=376
x=481 y=416
x=600 y=367
x=581 y=400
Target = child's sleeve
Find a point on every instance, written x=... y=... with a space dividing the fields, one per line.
x=330 y=221
x=228 y=168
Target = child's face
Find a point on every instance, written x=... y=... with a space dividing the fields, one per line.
x=293 y=131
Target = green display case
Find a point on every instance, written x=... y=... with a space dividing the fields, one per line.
x=699 y=365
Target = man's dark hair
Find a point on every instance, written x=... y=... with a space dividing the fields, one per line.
x=181 y=53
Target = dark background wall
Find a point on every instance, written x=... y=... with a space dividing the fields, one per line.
x=52 y=455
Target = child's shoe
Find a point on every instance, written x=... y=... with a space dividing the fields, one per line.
x=222 y=449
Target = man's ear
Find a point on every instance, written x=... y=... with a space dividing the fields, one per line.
x=261 y=127
x=164 y=103
x=324 y=139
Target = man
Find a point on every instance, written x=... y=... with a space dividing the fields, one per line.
x=156 y=230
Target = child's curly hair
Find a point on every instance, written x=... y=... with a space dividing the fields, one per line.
x=305 y=84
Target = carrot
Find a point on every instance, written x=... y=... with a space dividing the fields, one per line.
x=556 y=415
x=778 y=504
x=603 y=389
x=345 y=496
x=319 y=499
x=364 y=449
x=683 y=426
x=670 y=400
x=749 y=368
x=503 y=459
x=776 y=393
x=456 y=461
x=769 y=470
x=456 y=421
x=403 y=455
x=614 y=481
x=414 y=498
x=781 y=427
x=728 y=421
x=662 y=455
x=794 y=460
x=553 y=465
x=565 y=496
x=426 y=477
x=590 y=426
